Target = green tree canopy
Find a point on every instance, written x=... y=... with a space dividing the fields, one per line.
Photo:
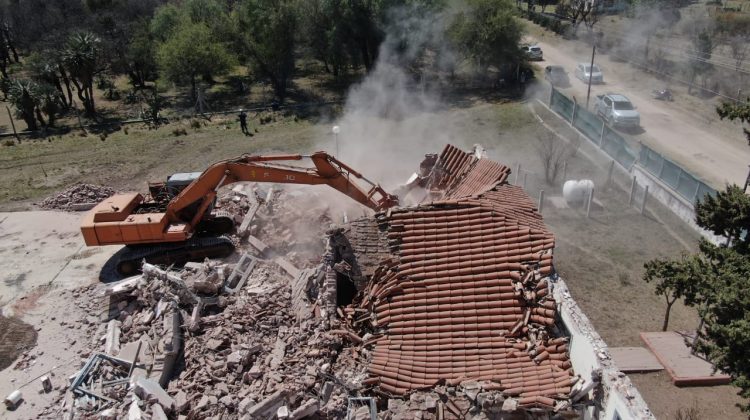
x=736 y=111
x=725 y=311
x=726 y=214
x=165 y=22
x=488 y=32
x=192 y=52
x=673 y=280
x=715 y=282
x=268 y=28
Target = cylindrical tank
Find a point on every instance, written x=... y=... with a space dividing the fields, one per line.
x=576 y=192
x=13 y=399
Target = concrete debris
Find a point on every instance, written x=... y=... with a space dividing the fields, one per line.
x=151 y=391
x=112 y=343
x=78 y=197
x=46 y=383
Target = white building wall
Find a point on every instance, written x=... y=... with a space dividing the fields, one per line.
x=591 y=360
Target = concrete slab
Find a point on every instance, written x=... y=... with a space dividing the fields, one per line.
x=41 y=248
x=684 y=368
x=635 y=359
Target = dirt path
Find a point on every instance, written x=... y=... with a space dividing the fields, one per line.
x=45 y=264
x=679 y=136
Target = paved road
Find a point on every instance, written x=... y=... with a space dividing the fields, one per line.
x=677 y=135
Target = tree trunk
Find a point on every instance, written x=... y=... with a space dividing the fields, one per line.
x=193 y=91
x=666 y=314
x=40 y=117
x=67 y=83
x=92 y=104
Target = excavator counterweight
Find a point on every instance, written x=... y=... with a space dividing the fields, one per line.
x=176 y=223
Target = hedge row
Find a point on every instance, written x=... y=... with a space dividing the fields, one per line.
x=554 y=24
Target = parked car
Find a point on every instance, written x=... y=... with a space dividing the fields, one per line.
x=617 y=110
x=583 y=71
x=556 y=75
x=532 y=52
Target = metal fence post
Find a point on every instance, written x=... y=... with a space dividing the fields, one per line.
x=524 y=180
x=643 y=203
x=609 y=174
x=541 y=201
x=573 y=116
x=588 y=203
x=601 y=134
x=518 y=171
x=632 y=192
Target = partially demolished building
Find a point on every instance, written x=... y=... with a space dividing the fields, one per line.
x=449 y=308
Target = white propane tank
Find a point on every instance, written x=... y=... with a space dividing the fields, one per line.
x=576 y=192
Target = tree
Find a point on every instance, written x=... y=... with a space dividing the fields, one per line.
x=45 y=68
x=736 y=111
x=268 y=28
x=165 y=22
x=553 y=154
x=726 y=214
x=715 y=281
x=31 y=100
x=141 y=57
x=81 y=59
x=488 y=32
x=674 y=279
x=24 y=97
x=192 y=52
x=725 y=312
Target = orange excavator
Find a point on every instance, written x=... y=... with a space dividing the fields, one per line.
x=177 y=221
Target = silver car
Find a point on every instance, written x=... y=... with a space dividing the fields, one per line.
x=617 y=110
x=584 y=71
x=533 y=52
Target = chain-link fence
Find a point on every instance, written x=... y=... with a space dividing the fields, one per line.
x=614 y=145
x=671 y=174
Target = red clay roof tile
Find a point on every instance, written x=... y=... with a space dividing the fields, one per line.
x=465 y=296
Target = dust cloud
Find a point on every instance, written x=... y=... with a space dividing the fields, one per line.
x=394 y=116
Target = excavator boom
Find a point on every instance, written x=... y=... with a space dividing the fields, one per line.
x=116 y=221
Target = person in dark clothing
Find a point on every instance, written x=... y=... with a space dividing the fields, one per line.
x=243 y=123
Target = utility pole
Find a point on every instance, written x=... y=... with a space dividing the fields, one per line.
x=591 y=73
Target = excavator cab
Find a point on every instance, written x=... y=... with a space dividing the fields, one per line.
x=165 y=191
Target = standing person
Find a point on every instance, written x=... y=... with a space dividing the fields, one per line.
x=243 y=122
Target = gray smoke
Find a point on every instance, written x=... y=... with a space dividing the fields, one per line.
x=396 y=115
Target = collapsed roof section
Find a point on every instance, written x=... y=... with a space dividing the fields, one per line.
x=464 y=295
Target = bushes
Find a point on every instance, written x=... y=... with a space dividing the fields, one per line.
x=553 y=23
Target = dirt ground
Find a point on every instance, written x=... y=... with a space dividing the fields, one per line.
x=687 y=132
x=45 y=263
x=600 y=258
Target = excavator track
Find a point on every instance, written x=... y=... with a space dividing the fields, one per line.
x=177 y=253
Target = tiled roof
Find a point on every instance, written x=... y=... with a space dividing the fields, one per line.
x=465 y=294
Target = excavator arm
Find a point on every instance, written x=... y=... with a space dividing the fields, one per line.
x=198 y=196
x=126 y=219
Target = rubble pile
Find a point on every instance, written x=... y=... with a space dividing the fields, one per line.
x=192 y=347
x=77 y=197
x=279 y=222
